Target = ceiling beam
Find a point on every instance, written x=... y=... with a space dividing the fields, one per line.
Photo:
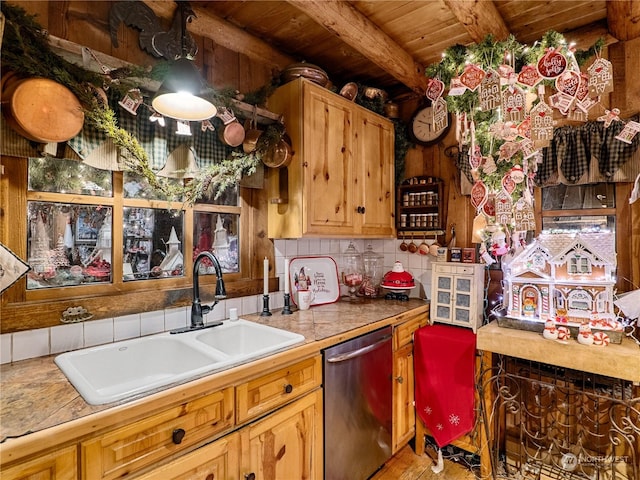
x=225 y=34
x=623 y=18
x=344 y=21
x=480 y=18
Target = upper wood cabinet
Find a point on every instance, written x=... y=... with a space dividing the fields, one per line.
x=340 y=182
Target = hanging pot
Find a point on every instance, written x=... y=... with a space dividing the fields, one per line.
x=41 y=110
x=279 y=155
x=231 y=133
x=251 y=137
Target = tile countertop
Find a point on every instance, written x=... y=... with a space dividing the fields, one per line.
x=615 y=360
x=36 y=395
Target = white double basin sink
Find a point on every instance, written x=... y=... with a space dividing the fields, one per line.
x=109 y=373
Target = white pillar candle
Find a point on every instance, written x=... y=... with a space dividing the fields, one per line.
x=266 y=276
x=286 y=275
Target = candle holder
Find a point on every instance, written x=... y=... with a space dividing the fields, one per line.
x=287 y=305
x=265 y=306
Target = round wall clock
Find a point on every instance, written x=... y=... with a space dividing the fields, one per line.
x=421 y=127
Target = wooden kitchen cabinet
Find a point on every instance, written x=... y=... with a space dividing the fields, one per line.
x=404 y=417
x=132 y=447
x=285 y=444
x=340 y=182
x=58 y=465
x=219 y=460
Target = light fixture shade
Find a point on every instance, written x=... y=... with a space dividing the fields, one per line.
x=178 y=96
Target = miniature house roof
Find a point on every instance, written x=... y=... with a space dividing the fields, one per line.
x=600 y=246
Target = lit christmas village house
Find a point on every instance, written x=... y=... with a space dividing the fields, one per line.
x=567 y=277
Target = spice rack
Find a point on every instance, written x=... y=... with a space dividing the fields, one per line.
x=419 y=206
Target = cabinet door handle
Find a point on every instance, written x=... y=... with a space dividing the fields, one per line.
x=177 y=435
x=360 y=209
x=399 y=379
x=250 y=476
x=288 y=388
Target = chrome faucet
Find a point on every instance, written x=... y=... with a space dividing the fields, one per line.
x=197 y=309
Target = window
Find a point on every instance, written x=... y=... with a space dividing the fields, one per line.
x=579 y=265
x=106 y=241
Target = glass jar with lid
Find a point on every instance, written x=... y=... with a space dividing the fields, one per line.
x=373 y=264
x=352 y=270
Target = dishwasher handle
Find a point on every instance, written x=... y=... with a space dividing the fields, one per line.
x=359 y=352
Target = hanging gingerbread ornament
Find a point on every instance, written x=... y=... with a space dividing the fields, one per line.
x=504 y=207
x=489 y=94
x=440 y=114
x=629 y=131
x=489 y=166
x=513 y=102
x=527 y=148
x=600 y=77
x=435 y=88
x=541 y=125
x=524 y=129
x=529 y=76
x=524 y=216
x=479 y=195
x=609 y=116
x=508 y=184
x=456 y=87
x=472 y=76
x=507 y=151
x=552 y=64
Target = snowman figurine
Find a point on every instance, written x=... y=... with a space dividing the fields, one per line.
x=585 y=337
x=550 y=331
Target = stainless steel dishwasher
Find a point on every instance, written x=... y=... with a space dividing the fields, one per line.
x=357 y=406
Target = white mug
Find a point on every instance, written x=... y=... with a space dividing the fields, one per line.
x=305 y=298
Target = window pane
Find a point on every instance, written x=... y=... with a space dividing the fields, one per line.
x=228 y=197
x=152 y=243
x=136 y=186
x=574 y=197
x=68 y=244
x=68 y=176
x=217 y=233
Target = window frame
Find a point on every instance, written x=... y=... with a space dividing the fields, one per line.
x=24 y=309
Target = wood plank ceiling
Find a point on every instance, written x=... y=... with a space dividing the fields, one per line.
x=387 y=43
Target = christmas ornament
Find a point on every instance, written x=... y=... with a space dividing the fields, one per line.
x=207 y=125
x=489 y=208
x=475 y=157
x=489 y=165
x=541 y=125
x=505 y=71
x=552 y=64
x=504 y=130
x=477 y=229
x=527 y=148
x=609 y=116
x=529 y=76
x=472 y=76
x=456 y=87
x=489 y=94
x=479 y=194
x=600 y=77
x=157 y=118
x=183 y=128
x=524 y=216
x=568 y=83
x=562 y=102
x=11 y=268
x=131 y=101
x=508 y=184
x=524 y=129
x=507 y=151
x=440 y=115
x=504 y=207
x=435 y=88
x=629 y=131
x=513 y=102
x=517 y=174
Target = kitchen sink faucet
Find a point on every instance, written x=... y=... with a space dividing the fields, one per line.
x=197 y=309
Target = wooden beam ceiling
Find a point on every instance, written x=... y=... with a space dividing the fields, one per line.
x=480 y=18
x=623 y=18
x=343 y=20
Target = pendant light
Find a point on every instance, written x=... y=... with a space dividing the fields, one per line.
x=180 y=95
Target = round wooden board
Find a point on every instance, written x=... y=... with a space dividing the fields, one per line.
x=42 y=110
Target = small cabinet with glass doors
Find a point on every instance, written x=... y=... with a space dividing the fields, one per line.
x=457 y=294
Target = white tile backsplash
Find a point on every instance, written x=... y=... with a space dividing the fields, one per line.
x=30 y=344
x=126 y=327
x=98 y=332
x=65 y=338
x=34 y=343
x=5 y=348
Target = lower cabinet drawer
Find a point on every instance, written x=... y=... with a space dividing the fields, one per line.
x=219 y=460
x=125 y=450
x=60 y=465
x=265 y=393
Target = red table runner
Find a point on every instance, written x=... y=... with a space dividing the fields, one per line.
x=444 y=363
